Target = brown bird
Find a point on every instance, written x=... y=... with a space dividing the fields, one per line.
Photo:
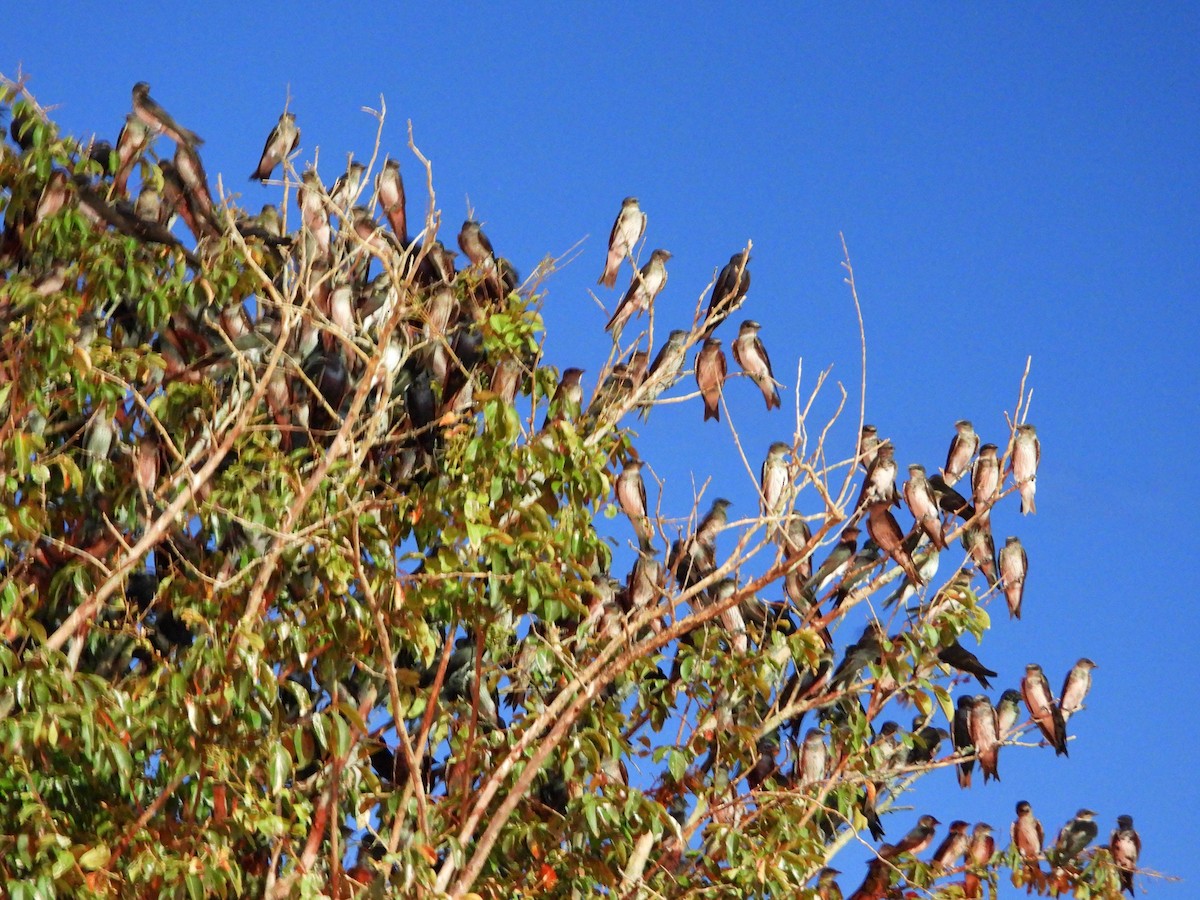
x=647 y=283
x=885 y=531
x=729 y=292
x=751 y=355
x=1026 y=454
x=159 y=119
x=567 y=402
x=1035 y=690
x=627 y=230
x=879 y=877
x=711 y=370
x=979 y=853
x=1075 y=688
x=953 y=848
x=880 y=484
x=1125 y=844
x=868 y=443
x=631 y=495
x=920 y=837
x=1014 y=564
x=390 y=188
x=131 y=144
x=1028 y=837
x=279 y=146
x=985 y=481
x=962 y=450
x=985 y=736
x=923 y=505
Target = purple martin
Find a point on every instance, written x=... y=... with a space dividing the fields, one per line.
x=956 y=656
x=1076 y=686
x=1008 y=710
x=1026 y=454
x=159 y=119
x=567 y=402
x=390 y=187
x=923 y=506
x=751 y=355
x=279 y=146
x=962 y=450
x=868 y=444
x=814 y=758
x=953 y=848
x=960 y=734
x=775 y=480
x=711 y=370
x=1014 y=564
x=1035 y=690
x=1073 y=839
x=920 y=837
x=1028 y=837
x=131 y=144
x=1125 y=844
x=985 y=736
x=977 y=541
x=838 y=561
x=664 y=371
x=979 y=853
x=949 y=500
x=645 y=287
x=729 y=292
x=985 y=481
x=627 y=230
x=880 y=484
x=885 y=531
x=345 y=189
x=631 y=495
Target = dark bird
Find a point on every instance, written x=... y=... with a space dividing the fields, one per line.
x=631 y=495
x=567 y=401
x=863 y=652
x=949 y=500
x=953 y=848
x=985 y=481
x=977 y=541
x=925 y=745
x=775 y=480
x=1014 y=564
x=959 y=657
x=1028 y=837
x=159 y=119
x=627 y=230
x=826 y=888
x=868 y=444
x=985 y=736
x=122 y=217
x=1008 y=710
x=885 y=531
x=1075 y=688
x=711 y=371
x=962 y=450
x=920 y=837
x=390 y=188
x=647 y=283
x=879 y=877
x=979 y=853
x=751 y=355
x=918 y=495
x=858 y=572
x=1035 y=690
x=838 y=561
x=195 y=186
x=346 y=188
x=1073 y=839
x=279 y=146
x=1125 y=844
x=729 y=292
x=1026 y=454
x=645 y=582
x=475 y=244
x=713 y=522
x=960 y=734
x=880 y=484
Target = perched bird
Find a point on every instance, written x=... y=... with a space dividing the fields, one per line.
x=313 y=216
x=920 y=837
x=627 y=230
x=962 y=450
x=949 y=500
x=879 y=877
x=475 y=244
x=775 y=480
x=1027 y=837
x=711 y=371
x=390 y=188
x=567 y=401
x=631 y=495
x=838 y=561
x=814 y=756
x=1043 y=710
x=279 y=146
x=826 y=888
x=645 y=582
x=953 y=848
x=925 y=744
x=979 y=853
x=647 y=283
x=1026 y=454
x=345 y=189
x=863 y=652
x=665 y=369
x=985 y=736
x=880 y=484
x=1073 y=839
x=959 y=657
x=885 y=531
x=159 y=119
x=918 y=495
x=131 y=144
x=985 y=481
x=1014 y=564
x=1076 y=686
x=729 y=292
x=1125 y=844
x=868 y=444
x=858 y=571
x=751 y=355
x=977 y=541
x=960 y=734
x=1008 y=710
x=713 y=522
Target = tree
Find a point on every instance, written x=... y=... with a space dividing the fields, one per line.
x=308 y=581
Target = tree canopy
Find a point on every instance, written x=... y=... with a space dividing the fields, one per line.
x=319 y=581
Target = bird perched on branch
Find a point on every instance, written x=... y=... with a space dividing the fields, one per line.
x=751 y=355
x=627 y=230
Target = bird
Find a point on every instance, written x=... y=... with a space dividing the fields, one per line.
x=985 y=736
x=960 y=734
x=751 y=355
x=1075 y=688
x=627 y=230
x=839 y=558
x=1035 y=690
x=131 y=143
x=985 y=481
x=665 y=369
x=1073 y=839
x=1028 y=837
x=920 y=837
x=775 y=480
x=346 y=187
x=977 y=541
x=477 y=247
x=1008 y=710
x=159 y=119
x=1026 y=454
x=814 y=756
x=645 y=581
x=868 y=444
x=390 y=188
x=279 y=146
x=949 y=500
x=1014 y=564
x=880 y=484
x=952 y=848
x=1125 y=844
x=647 y=283
x=826 y=888
x=918 y=495
x=711 y=370
x=863 y=652
x=962 y=450
x=959 y=657
x=729 y=291
x=567 y=401
x=885 y=531
x=631 y=495
x=980 y=851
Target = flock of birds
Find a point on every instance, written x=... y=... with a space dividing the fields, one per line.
x=348 y=304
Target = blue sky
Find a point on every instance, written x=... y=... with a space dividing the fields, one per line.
x=1012 y=180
